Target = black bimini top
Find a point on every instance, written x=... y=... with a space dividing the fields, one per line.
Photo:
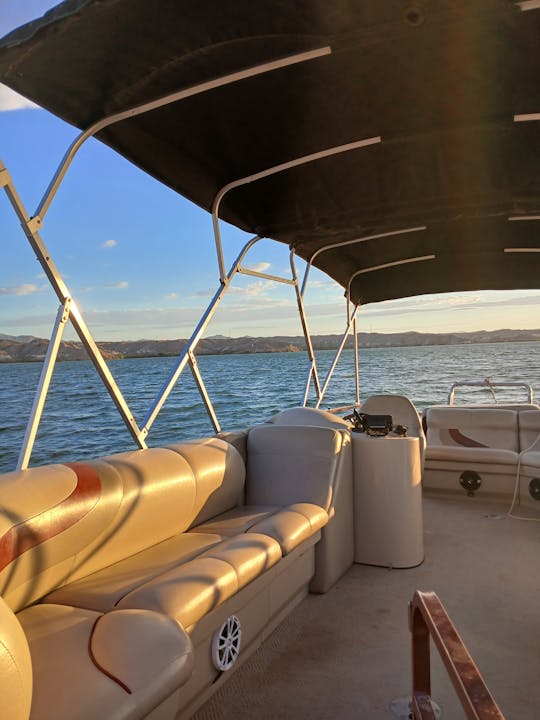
x=442 y=83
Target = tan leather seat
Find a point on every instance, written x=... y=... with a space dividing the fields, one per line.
x=192 y=590
x=102 y=590
x=472 y=428
x=292 y=525
x=239 y=520
x=15 y=667
x=402 y=411
x=480 y=455
x=119 y=665
x=529 y=428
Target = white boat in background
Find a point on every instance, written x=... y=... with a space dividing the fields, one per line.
x=393 y=146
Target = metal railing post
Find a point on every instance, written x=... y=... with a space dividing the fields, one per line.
x=428 y=619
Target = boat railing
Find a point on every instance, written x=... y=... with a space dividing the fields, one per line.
x=488 y=384
x=429 y=619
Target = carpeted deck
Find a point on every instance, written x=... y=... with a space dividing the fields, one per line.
x=346 y=654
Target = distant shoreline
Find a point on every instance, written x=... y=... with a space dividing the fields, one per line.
x=32 y=349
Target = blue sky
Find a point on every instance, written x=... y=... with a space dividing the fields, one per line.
x=140 y=260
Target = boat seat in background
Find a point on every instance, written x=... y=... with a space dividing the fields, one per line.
x=402 y=411
x=472 y=445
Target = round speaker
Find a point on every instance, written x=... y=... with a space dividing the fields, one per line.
x=534 y=488
x=470 y=481
x=226 y=643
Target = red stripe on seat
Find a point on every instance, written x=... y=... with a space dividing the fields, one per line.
x=51 y=522
x=458 y=437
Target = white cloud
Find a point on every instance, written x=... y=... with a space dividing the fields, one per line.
x=109 y=244
x=25 y=289
x=10 y=100
x=171 y=296
x=259 y=267
x=120 y=285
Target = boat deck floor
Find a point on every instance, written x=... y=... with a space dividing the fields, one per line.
x=346 y=654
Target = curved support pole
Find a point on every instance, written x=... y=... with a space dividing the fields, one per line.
x=273 y=171
x=333 y=246
x=394 y=263
x=166 y=100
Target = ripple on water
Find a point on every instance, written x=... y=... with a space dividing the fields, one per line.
x=80 y=420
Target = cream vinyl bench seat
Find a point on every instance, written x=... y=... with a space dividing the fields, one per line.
x=486 y=441
x=116 y=574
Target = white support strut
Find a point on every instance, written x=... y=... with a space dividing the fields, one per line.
x=30 y=227
x=337 y=356
x=43 y=385
x=313 y=373
x=203 y=391
x=195 y=337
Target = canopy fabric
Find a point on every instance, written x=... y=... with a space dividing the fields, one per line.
x=440 y=82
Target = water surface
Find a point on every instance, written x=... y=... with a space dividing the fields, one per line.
x=80 y=420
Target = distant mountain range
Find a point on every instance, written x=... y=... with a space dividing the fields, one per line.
x=26 y=348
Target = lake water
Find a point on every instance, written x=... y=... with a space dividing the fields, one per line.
x=80 y=421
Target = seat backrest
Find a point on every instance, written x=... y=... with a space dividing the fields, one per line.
x=309 y=416
x=472 y=427
x=290 y=464
x=529 y=428
x=15 y=667
x=60 y=523
x=220 y=475
x=402 y=411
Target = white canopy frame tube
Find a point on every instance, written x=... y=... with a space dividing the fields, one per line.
x=394 y=263
x=30 y=228
x=312 y=371
x=43 y=386
x=203 y=392
x=333 y=246
x=195 y=338
x=356 y=362
x=161 y=102
x=337 y=356
x=268 y=172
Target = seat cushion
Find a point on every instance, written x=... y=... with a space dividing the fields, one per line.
x=472 y=427
x=102 y=590
x=288 y=464
x=190 y=591
x=116 y=666
x=529 y=428
x=292 y=525
x=530 y=463
x=219 y=472
x=236 y=521
x=470 y=455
